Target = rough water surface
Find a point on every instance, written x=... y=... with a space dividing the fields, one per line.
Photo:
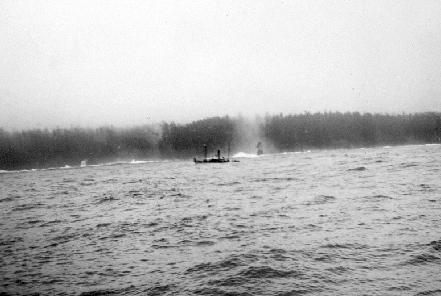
x=340 y=222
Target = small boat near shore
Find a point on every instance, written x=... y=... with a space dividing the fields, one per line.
x=216 y=159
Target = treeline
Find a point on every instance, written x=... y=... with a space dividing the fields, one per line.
x=345 y=130
x=187 y=140
x=43 y=148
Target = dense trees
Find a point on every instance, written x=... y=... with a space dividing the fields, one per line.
x=343 y=130
x=43 y=148
x=187 y=140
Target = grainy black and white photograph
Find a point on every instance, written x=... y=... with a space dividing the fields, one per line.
x=226 y=148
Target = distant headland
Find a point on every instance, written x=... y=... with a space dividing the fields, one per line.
x=38 y=148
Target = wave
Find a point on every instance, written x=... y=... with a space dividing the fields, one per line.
x=17 y=171
x=83 y=165
x=322 y=199
x=140 y=161
x=296 y=152
x=377 y=197
x=267 y=272
x=245 y=155
x=429 y=292
x=357 y=169
x=252 y=155
x=133 y=161
x=436 y=245
x=116 y=291
x=432 y=144
x=423 y=259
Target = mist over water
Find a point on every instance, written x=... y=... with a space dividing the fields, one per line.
x=337 y=222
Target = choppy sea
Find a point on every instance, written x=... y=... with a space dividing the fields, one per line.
x=336 y=222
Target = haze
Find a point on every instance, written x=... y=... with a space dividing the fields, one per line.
x=93 y=63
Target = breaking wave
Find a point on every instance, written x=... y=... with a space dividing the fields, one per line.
x=245 y=155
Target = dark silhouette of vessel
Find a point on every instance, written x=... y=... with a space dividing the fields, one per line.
x=216 y=159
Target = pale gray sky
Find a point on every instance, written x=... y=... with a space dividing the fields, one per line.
x=92 y=63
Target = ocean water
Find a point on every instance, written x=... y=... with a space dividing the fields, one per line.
x=337 y=222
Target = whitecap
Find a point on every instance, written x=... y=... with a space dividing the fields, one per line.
x=140 y=161
x=244 y=155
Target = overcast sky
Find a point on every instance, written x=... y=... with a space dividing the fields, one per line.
x=93 y=63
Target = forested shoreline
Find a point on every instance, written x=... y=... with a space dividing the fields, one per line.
x=279 y=133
